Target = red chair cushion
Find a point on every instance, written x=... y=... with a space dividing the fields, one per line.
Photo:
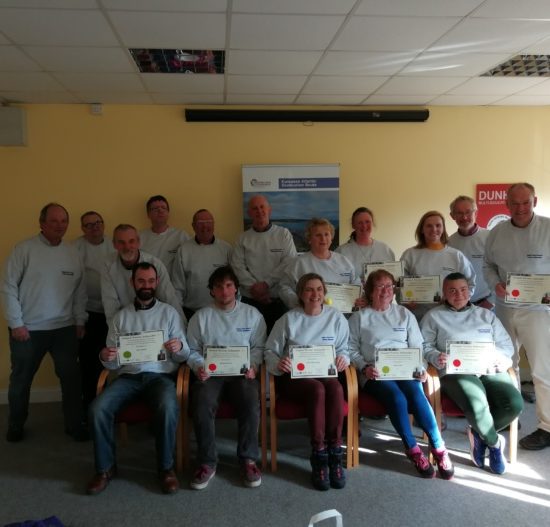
x=369 y=405
x=449 y=407
x=136 y=412
x=287 y=409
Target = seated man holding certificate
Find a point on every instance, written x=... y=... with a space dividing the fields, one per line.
x=227 y=344
x=385 y=337
x=145 y=344
x=306 y=332
x=489 y=398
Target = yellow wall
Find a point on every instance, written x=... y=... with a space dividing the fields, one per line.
x=114 y=162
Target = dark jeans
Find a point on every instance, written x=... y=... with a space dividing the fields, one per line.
x=158 y=390
x=244 y=396
x=490 y=402
x=88 y=355
x=324 y=400
x=26 y=358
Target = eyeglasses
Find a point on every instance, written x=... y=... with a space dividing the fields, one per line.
x=387 y=287
x=93 y=224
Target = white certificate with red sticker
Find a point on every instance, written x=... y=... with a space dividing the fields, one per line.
x=312 y=361
x=227 y=360
x=421 y=289
x=395 y=268
x=342 y=296
x=141 y=346
x=527 y=288
x=470 y=357
x=398 y=364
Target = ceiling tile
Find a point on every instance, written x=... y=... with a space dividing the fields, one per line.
x=399 y=100
x=175 y=82
x=525 y=100
x=204 y=6
x=28 y=82
x=280 y=32
x=419 y=85
x=464 y=100
x=363 y=33
x=542 y=88
x=417 y=8
x=267 y=98
x=12 y=59
x=314 y=7
x=542 y=47
x=187 y=98
x=330 y=99
x=170 y=30
x=513 y=9
x=494 y=85
x=107 y=97
x=116 y=82
x=330 y=85
x=39 y=97
x=453 y=64
x=271 y=62
x=363 y=62
x=56 y=27
x=50 y=4
x=69 y=59
x=271 y=84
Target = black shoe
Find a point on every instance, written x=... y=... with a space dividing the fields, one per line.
x=529 y=396
x=538 y=440
x=337 y=474
x=319 y=470
x=79 y=434
x=15 y=434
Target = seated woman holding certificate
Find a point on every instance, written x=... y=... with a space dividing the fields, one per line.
x=384 y=325
x=431 y=256
x=317 y=325
x=491 y=401
x=332 y=266
x=362 y=248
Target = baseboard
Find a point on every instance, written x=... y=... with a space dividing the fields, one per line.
x=38 y=395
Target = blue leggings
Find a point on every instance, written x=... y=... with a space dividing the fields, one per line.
x=401 y=398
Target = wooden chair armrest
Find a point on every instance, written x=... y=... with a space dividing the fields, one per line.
x=102 y=380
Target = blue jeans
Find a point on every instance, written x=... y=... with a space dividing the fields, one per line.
x=158 y=390
x=26 y=358
x=401 y=398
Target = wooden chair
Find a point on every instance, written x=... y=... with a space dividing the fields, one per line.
x=226 y=410
x=138 y=412
x=442 y=404
x=285 y=409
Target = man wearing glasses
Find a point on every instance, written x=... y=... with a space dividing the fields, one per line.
x=94 y=249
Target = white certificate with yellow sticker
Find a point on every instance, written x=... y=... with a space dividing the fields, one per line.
x=342 y=296
x=398 y=364
x=470 y=357
x=395 y=268
x=141 y=346
x=227 y=360
x=420 y=289
x=312 y=361
x=527 y=288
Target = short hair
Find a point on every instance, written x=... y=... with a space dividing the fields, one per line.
x=198 y=212
x=318 y=222
x=514 y=186
x=419 y=234
x=304 y=279
x=372 y=279
x=454 y=276
x=89 y=213
x=145 y=266
x=124 y=227
x=220 y=274
x=158 y=197
x=44 y=211
x=462 y=198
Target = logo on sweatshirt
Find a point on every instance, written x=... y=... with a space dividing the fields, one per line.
x=67 y=273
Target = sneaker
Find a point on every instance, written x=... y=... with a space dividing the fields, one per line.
x=538 y=440
x=444 y=464
x=420 y=461
x=477 y=448
x=252 y=477
x=497 y=461
x=319 y=470
x=337 y=474
x=202 y=477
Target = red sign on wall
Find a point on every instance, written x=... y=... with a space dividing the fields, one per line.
x=491 y=204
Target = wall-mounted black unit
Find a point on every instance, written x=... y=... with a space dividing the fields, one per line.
x=301 y=116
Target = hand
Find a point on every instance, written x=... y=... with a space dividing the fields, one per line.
x=21 y=334
x=442 y=360
x=250 y=373
x=360 y=302
x=80 y=332
x=260 y=292
x=173 y=345
x=371 y=373
x=421 y=376
x=108 y=354
x=500 y=290
x=202 y=374
x=341 y=363
x=285 y=365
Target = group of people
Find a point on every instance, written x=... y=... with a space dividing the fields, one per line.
x=75 y=301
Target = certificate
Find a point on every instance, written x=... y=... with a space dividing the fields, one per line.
x=470 y=357
x=527 y=288
x=395 y=268
x=394 y=364
x=421 y=289
x=141 y=346
x=227 y=360
x=342 y=296
x=312 y=361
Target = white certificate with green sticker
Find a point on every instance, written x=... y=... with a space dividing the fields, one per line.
x=141 y=346
x=398 y=364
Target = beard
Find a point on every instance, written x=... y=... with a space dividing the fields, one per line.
x=145 y=293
